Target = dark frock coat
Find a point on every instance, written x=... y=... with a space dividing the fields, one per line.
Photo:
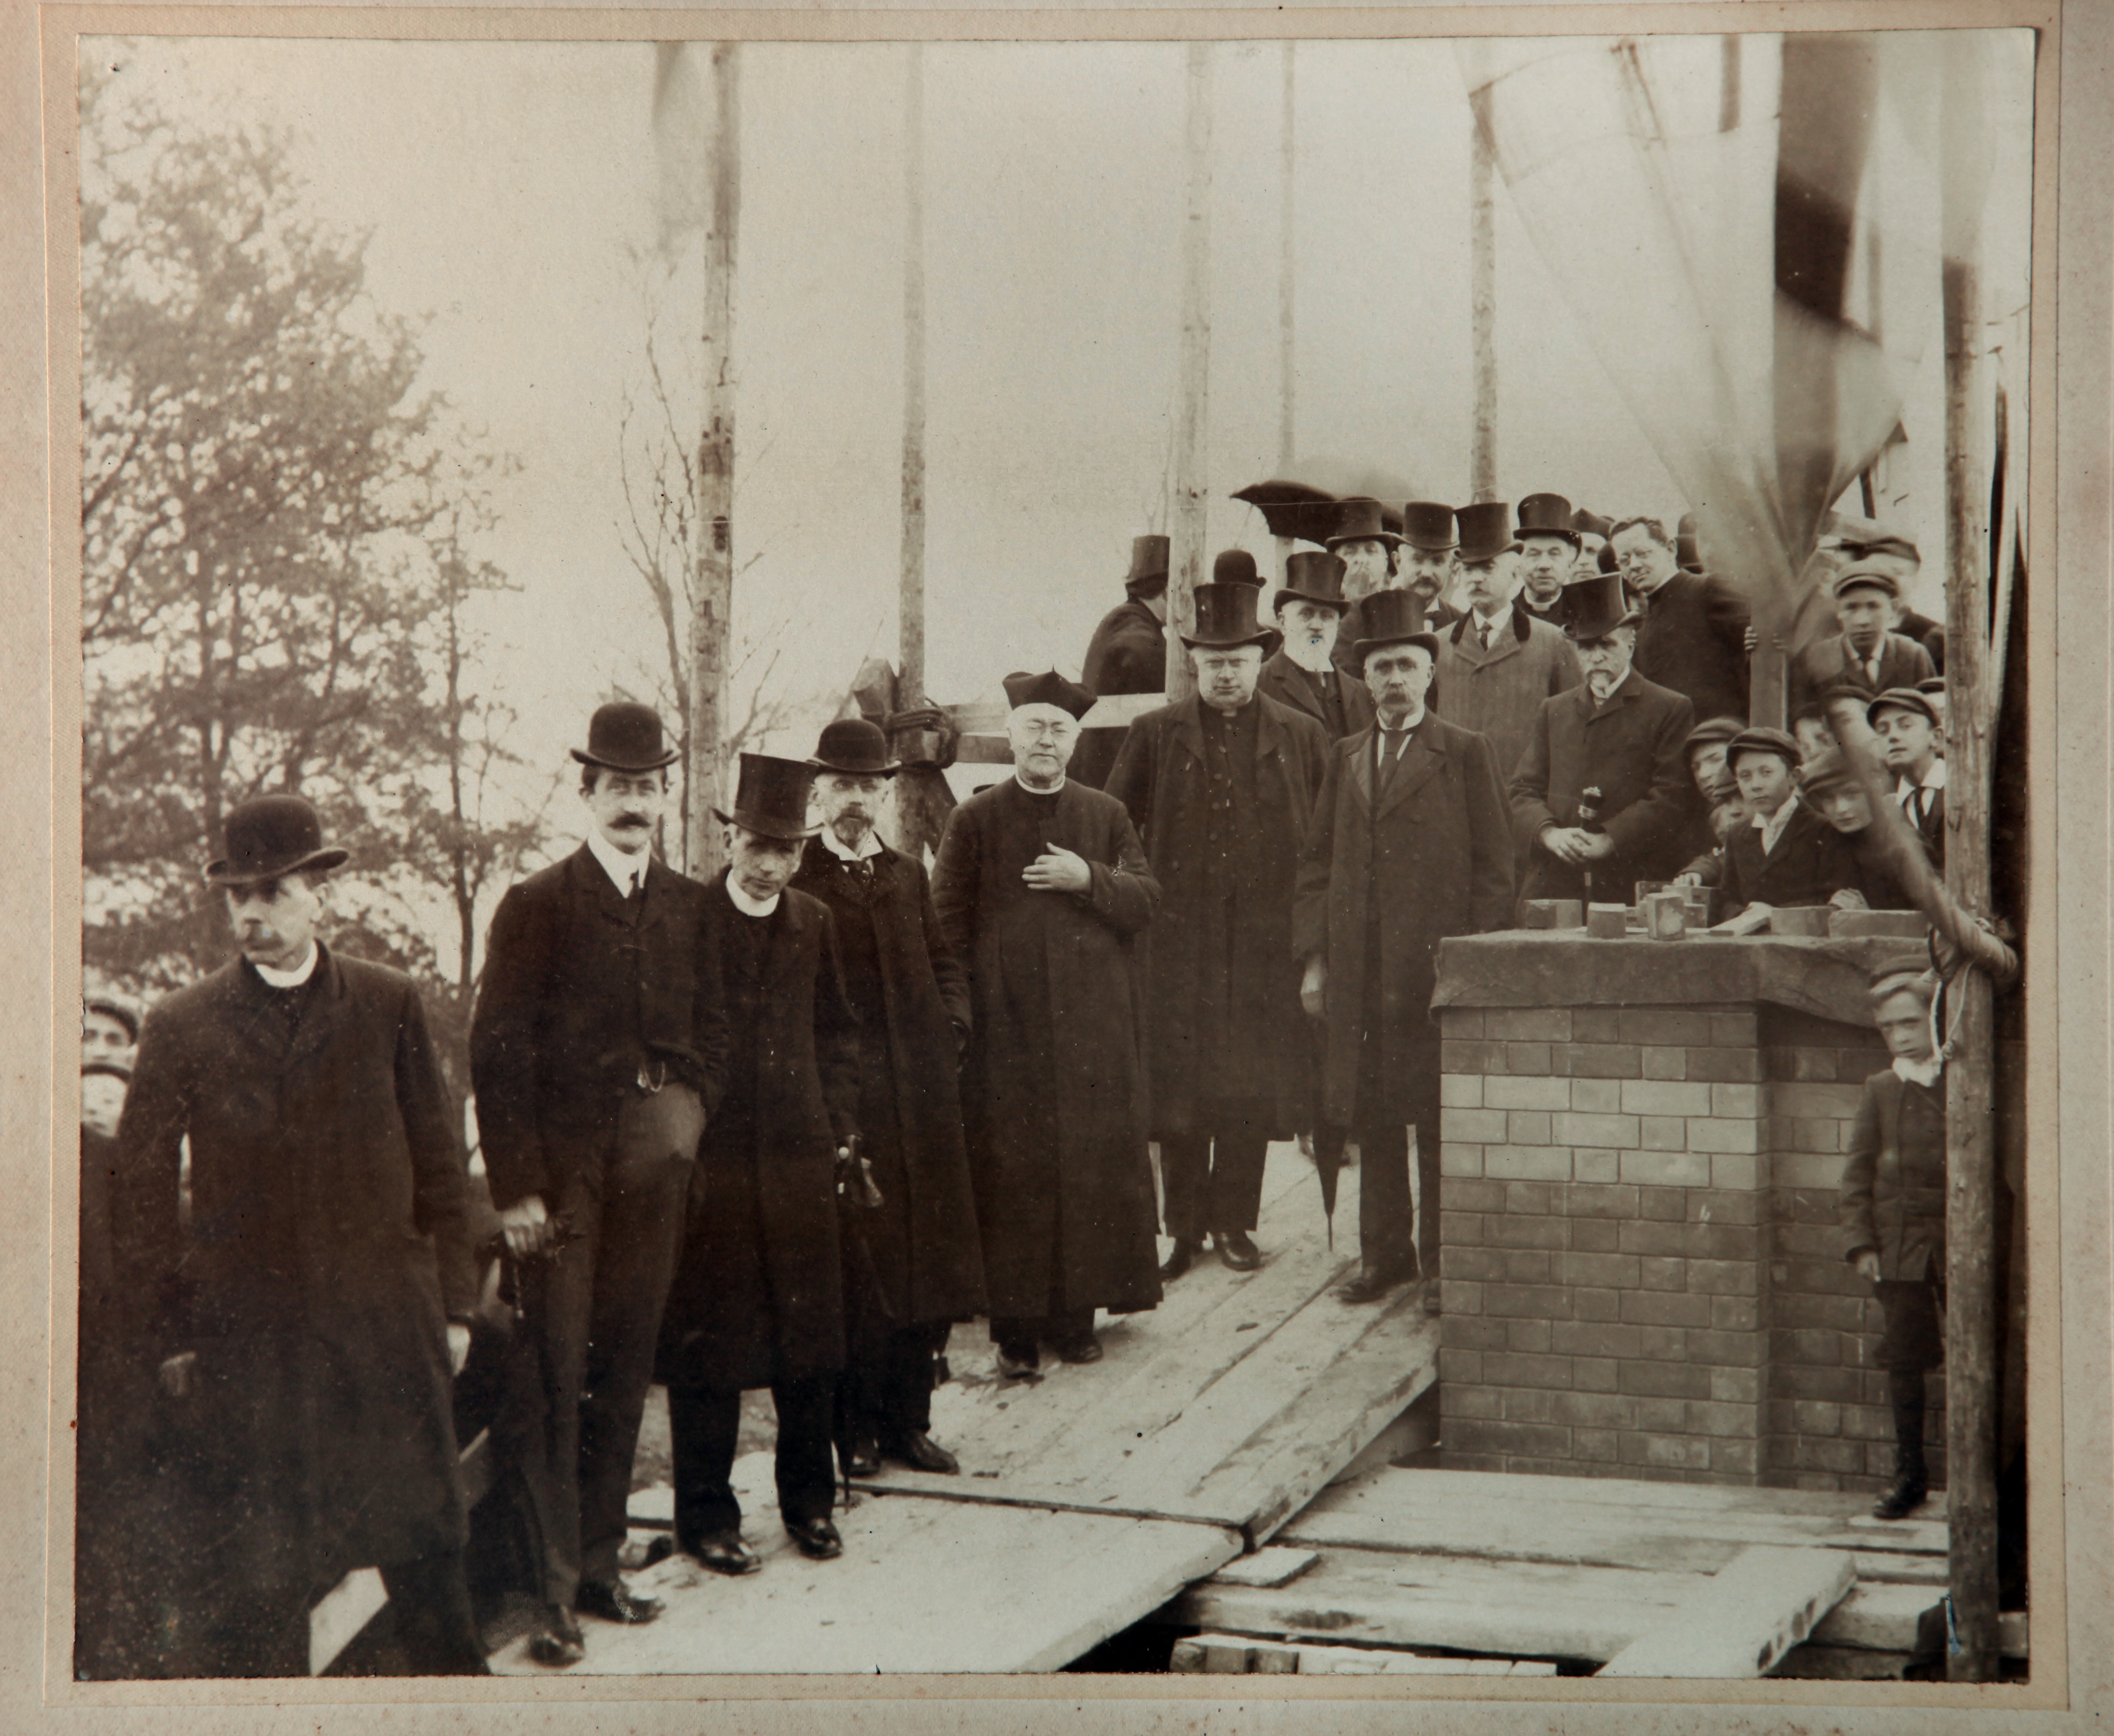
x=926 y=1235
x=770 y=1310
x=1054 y=1093
x=1631 y=750
x=1222 y=940
x=1127 y=654
x=328 y=1246
x=1289 y=685
x=1811 y=863
x=1893 y=1186
x=571 y=1000
x=1692 y=641
x=1436 y=857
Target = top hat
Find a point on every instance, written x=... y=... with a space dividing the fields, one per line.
x=1148 y=564
x=1226 y=617
x=1361 y=519
x=857 y=748
x=1394 y=618
x=1235 y=567
x=625 y=737
x=1827 y=769
x=111 y=1007
x=1711 y=731
x=268 y=839
x=1428 y=525
x=1865 y=573
x=1486 y=530
x=1903 y=699
x=1049 y=688
x=1761 y=738
x=770 y=797
x=1549 y=515
x=1596 y=605
x=1685 y=551
x=1312 y=576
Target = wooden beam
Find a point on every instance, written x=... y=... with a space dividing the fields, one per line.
x=1756 y=1609
x=1483 y=313
x=1185 y=568
x=1287 y=276
x=911 y=605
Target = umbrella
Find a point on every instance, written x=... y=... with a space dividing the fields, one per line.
x=1326 y=1150
x=1302 y=502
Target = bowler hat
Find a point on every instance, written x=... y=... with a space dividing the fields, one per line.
x=1049 y=688
x=625 y=737
x=855 y=748
x=1596 y=605
x=1761 y=738
x=1312 y=576
x=1711 y=731
x=770 y=797
x=1148 y=564
x=1549 y=515
x=1226 y=617
x=269 y=838
x=1234 y=567
x=1686 y=555
x=1360 y=520
x=1394 y=618
x=1486 y=530
x=1902 y=699
x=1429 y=526
x=1866 y=573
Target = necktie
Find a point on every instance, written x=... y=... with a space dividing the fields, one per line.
x=1490 y=632
x=1392 y=742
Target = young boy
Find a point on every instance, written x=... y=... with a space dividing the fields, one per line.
x=1785 y=855
x=1892 y=1212
x=1810 y=729
x=1907 y=722
x=1827 y=786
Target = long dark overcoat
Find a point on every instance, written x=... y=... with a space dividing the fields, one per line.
x=1631 y=750
x=1127 y=654
x=1436 y=857
x=1222 y=936
x=327 y=1248
x=1053 y=1094
x=1500 y=692
x=791 y=1105
x=928 y=1202
x=1285 y=682
x=563 y=1024
x=1693 y=641
x=1893 y=1186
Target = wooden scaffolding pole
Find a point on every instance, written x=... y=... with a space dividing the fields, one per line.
x=1287 y=377
x=1483 y=313
x=1186 y=567
x=712 y=583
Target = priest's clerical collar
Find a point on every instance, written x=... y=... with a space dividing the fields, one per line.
x=624 y=869
x=749 y=906
x=1030 y=789
x=292 y=978
x=869 y=844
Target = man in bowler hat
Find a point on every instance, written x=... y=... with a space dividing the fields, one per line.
x=1408 y=844
x=598 y=1050
x=914 y=1267
x=310 y=1322
x=1044 y=893
x=1309 y=608
x=758 y=1296
x=1221 y=787
x=1127 y=653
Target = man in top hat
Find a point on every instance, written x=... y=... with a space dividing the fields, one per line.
x=597 y=1050
x=310 y=1321
x=1498 y=664
x=1911 y=726
x=759 y=1294
x=1310 y=609
x=1127 y=653
x=1548 y=554
x=1044 y=892
x=1221 y=787
x=914 y=1266
x=1376 y=559
x=1602 y=797
x=1409 y=844
x=1692 y=637
x=1865 y=657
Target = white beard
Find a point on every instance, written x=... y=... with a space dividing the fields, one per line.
x=1313 y=658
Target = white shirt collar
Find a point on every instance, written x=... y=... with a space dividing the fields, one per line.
x=1919 y=1072
x=1052 y=791
x=1934 y=778
x=869 y=845
x=1772 y=826
x=1500 y=624
x=748 y=906
x=292 y=978
x=624 y=870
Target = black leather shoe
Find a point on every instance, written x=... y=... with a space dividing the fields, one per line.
x=1237 y=1248
x=1018 y=1362
x=814 y=1538
x=558 y=1642
x=919 y=1451
x=1906 y=1494
x=1087 y=1348
x=658 y=1548
x=723 y=1552
x=1371 y=1283
x=614 y=1601
x=1183 y=1257
x=860 y=1457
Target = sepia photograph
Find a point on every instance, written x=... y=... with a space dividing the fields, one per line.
x=1126 y=858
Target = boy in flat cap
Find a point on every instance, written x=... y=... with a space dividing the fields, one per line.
x=1786 y=854
x=1909 y=724
x=1830 y=785
x=1864 y=657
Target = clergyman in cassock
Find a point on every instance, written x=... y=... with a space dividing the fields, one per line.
x=597 y=1050
x=1221 y=787
x=1601 y=798
x=912 y=1267
x=1692 y=637
x=1409 y=844
x=1302 y=672
x=759 y=1294
x=1548 y=555
x=312 y=1319
x=1127 y=653
x=1044 y=891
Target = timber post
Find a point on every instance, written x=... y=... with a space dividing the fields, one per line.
x=1286 y=207
x=1483 y=312
x=1186 y=567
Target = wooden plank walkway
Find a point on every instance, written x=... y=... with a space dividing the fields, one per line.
x=1088 y=1499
